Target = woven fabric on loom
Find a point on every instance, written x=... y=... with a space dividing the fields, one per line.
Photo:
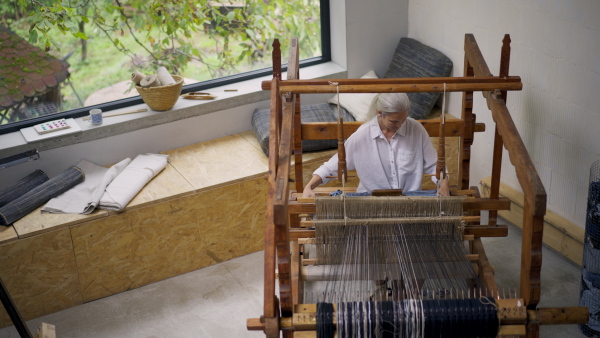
x=24 y=185
x=387 y=207
x=399 y=242
x=39 y=195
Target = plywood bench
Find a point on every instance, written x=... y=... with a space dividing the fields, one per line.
x=206 y=207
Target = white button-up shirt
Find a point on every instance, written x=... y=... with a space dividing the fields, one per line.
x=397 y=164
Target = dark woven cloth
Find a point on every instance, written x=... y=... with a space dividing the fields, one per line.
x=404 y=193
x=39 y=195
x=24 y=185
x=592 y=221
x=414 y=59
x=323 y=112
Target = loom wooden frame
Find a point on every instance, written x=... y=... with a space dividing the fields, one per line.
x=286 y=133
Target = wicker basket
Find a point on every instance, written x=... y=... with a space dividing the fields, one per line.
x=163 y=97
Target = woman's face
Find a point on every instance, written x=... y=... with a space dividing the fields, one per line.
x=392 y=121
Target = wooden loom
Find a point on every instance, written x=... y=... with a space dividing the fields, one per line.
x=286 y=234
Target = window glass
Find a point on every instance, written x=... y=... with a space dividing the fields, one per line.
x=57 y=59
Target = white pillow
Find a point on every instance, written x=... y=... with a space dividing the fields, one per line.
x=357 y=104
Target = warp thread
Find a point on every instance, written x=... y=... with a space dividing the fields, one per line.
x=387 y=207
x=325 y=320
x=411 y=318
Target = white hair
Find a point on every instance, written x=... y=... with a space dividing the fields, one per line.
x=389 y=103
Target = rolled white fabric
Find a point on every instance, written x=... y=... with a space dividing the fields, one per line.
x=84 y=197
x=150 y=81
x=137 y=77
x=164 y=76
x=131 y=180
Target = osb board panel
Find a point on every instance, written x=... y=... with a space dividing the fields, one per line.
x=7 y=234
x=224 y=160
x=250 y=137
x=40 y=274
x=36 y=223
x=142 y=246
x=168 y=184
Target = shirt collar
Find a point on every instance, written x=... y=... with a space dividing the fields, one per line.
x=375 y=130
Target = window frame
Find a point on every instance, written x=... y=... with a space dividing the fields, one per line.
x=200 y=86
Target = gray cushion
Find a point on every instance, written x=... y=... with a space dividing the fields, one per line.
x=414 y=59
x=323 y=112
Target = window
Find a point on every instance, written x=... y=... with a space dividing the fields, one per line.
x=216 y=43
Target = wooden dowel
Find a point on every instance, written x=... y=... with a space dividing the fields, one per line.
x=512 y=330
x=304 y=318
x=305 y=314
x=324 y=191
x=496 y=80
x=304 y=326
x=306 y=204
x=560 y=315
x=401 y=88
x=328 y=130
x=310 y=224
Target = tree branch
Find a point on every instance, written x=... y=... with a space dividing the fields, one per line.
x=131 y=31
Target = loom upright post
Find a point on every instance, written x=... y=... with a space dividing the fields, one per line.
x=498 y=144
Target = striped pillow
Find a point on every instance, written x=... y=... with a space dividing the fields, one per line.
x=323 y=112
x=414 y=59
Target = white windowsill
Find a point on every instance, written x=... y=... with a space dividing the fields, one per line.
x=247 y=92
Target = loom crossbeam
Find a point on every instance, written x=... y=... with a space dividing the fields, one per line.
x=470 y=230
x=382 y=265
x=304 y=205
x=512 y=315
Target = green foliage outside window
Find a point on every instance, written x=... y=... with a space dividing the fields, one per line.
x=167 y=31
x=106 y=40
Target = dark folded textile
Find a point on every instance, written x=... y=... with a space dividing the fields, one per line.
x=404 y=193
x=323 y=112
x=24 y=185
x=39 y=195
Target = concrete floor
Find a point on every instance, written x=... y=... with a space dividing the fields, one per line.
x=215 y=301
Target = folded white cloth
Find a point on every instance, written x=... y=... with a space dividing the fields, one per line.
x=131 y=180
x=84 y=197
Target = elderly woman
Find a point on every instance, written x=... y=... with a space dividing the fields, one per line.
x=391 y=151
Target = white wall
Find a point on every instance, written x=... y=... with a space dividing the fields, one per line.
x=373 y=29
x=556 y=51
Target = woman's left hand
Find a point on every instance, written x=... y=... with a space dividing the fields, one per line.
x=443 y=187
